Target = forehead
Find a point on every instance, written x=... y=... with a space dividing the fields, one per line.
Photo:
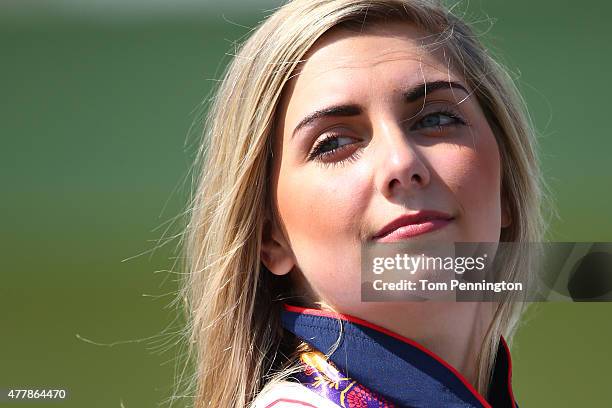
x=367 y=67
x=381 y=51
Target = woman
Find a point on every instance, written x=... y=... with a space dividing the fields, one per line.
x=340 y=123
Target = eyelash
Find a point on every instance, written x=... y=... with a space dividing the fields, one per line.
x=318 y=155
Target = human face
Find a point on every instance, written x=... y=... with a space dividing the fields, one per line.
x=388 y=151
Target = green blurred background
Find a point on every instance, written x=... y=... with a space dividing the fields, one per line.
x=97 y=101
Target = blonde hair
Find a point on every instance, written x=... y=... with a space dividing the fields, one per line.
x=236 y=342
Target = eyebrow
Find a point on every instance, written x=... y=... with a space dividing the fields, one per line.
x=421 y=90
x=410 y=96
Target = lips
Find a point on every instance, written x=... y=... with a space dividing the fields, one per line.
x=412 y=224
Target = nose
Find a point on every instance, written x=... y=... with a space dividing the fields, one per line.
x=400 y=168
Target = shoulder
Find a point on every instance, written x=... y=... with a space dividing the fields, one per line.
x=287 y=394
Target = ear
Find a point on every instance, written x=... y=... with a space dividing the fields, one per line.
x=506 y=217
x=276 y=253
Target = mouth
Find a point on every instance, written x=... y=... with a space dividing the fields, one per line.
x=413 y=224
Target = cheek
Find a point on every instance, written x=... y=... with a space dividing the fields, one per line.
x=321 y=204
x=321 y=208
x=472 y=173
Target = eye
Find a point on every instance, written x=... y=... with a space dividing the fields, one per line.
x=438 y=120
x=331 y=144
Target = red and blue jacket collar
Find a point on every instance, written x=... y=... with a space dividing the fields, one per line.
x=399 y=369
